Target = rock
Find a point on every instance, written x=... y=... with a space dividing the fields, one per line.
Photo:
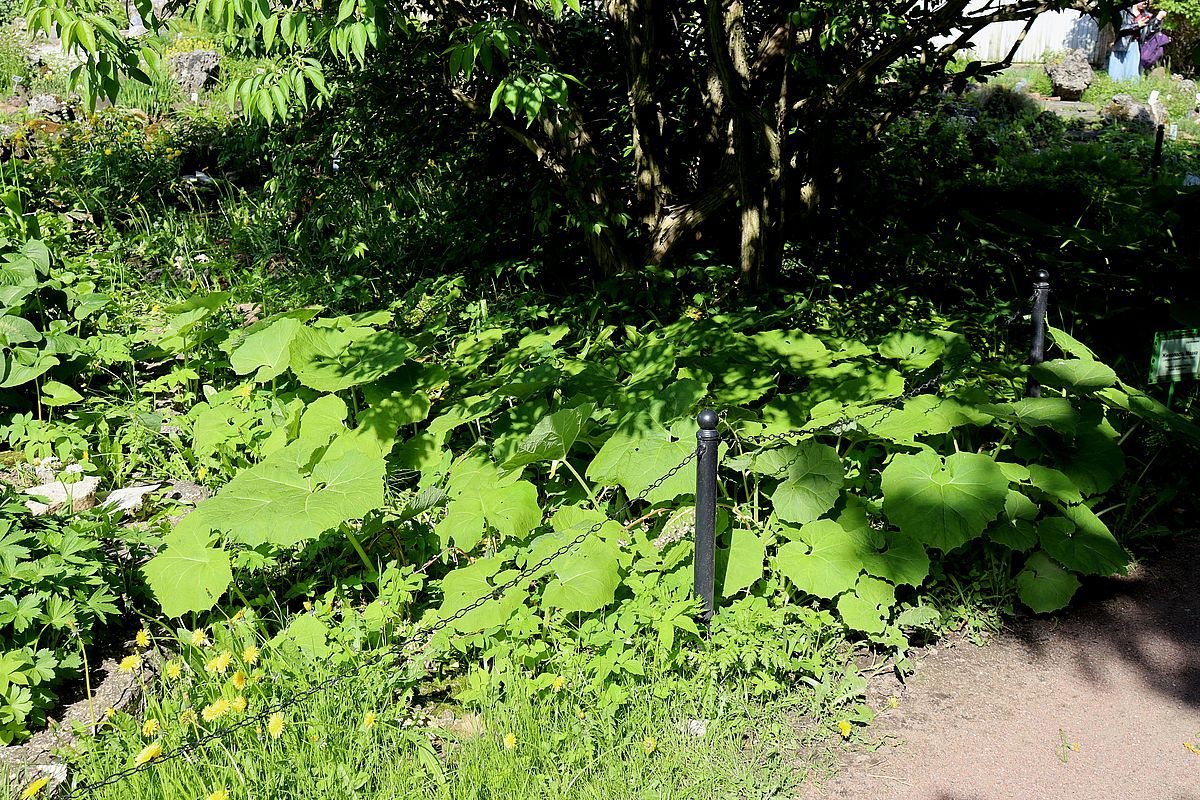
x=195 y=70
x=49 y=107
x=128 y=498
x=1072 y=76
x=79 y=496
x=186 y=492
x=1124 y=108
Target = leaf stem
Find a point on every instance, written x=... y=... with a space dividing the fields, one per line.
x=591 y=495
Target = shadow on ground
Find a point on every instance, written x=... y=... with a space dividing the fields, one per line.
x=1150 y=620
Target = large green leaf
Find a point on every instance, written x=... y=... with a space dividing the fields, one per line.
x=59 y=394
x=187 y=574
x=1082 y=542
x=943 y=503
x=552 y=438
x=913 y=349
x=1015 y=529
x=1044 y=585
x=640 y=452
x=1078 y=374
x=330 y=359
x=1054 y=483
x=480 y=498
x=893 y=555
x=869 y=606
x=1033 y=412
x=17 y=330
x=742 y=564
x=824 y=561
x=466 y=585
x=585 y=579
x=280 y=502
x=812 y=484
x=1069 y=344
x=268 y=350
x=1095 y=461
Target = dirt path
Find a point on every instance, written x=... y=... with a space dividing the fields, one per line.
x=1096 y=705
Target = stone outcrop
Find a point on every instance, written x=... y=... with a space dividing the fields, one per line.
x=1072 y=76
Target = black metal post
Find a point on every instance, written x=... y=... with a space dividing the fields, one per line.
x=1156 y=161
x=1037 y=353
x=708 y=440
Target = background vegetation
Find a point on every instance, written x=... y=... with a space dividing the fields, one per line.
x=378 y=336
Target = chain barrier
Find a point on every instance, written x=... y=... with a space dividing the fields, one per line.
x=414 y=642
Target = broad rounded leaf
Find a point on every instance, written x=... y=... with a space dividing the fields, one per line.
x=943 y=504
x=276 y=502
x=913 y=350
x=869 y=606
x=59 y=394
x=267 y=350
x=552 y=438
x=1033 y=412
x=742 y=564
x=585 y=579
x=187 y=574
x=1082 y=542
x=812 y=484
x=635 y=458
x=1077 y=374
x=1045 y=586
x=823 y=562
x=480 y=498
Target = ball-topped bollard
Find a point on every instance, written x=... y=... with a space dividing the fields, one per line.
x=1041 y=276
x=708 y=420
x=708 y=443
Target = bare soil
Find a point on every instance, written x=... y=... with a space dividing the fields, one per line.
x=1099 y=703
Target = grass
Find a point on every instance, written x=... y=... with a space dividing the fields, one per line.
x=352 y=743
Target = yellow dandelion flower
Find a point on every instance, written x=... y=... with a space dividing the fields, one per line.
x=582 y=714
x=148 y=754
x=155 y=309
x=649 y=745
x=219 y=794
x=201 y=473
x=108 y=151
x=199 y=638
x=239 y=704
x=215 y=710
x=239 y=680
x=242 y=613
x=150 y=727
x=143 y=638
x=510 y=741
x=173 y=670
x=130 y=663
x=246 y=391
x=188 y=716
x=275 y=725
x=844 y=728
x=558 y=684
x=34 y=788
x=219 y=664
x=110 y=712
x=85 y=456
x=250 y=654
x=369 y=720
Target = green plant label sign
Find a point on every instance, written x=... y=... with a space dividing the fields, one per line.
x=1176 y=356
